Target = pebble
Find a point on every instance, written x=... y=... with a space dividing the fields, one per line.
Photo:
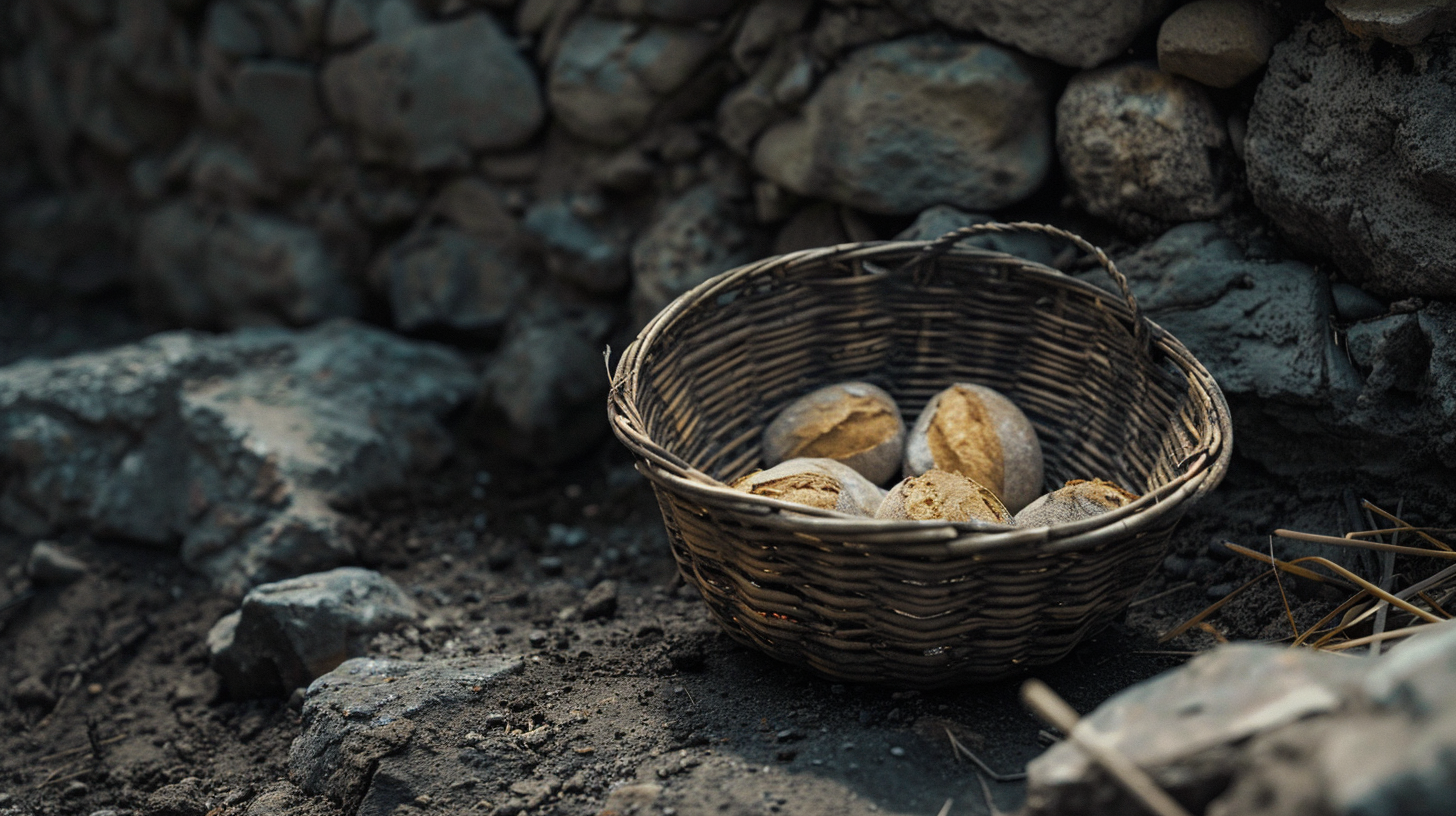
x=50 y=564
x=551 y=565
x=600 y=602
x=897 y=751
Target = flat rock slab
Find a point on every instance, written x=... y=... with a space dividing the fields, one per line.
x=239 y=446
x=381 y=733
x=289 y=632
x=1254 y=729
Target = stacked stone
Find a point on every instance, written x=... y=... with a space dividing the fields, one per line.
x=538 y=177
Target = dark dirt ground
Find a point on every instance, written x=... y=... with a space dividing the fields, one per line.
x=498 y=554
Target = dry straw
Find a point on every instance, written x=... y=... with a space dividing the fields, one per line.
x=919 y=604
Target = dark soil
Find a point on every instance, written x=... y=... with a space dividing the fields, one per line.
x=106 y=697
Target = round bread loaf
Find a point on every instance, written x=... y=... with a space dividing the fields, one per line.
x=975 y=431
x=1076 y=500
x=855 y=423
x=822 y=483
x=939 y=495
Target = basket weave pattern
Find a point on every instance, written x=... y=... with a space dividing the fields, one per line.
x=916 y=604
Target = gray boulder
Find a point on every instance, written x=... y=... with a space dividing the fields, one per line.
x=542 y=393
x=586 y=244
x=428 y=96
x=237 y=268
x=1077 y=33
x=1267 y=731
x=238 y=446
x=281 y=113
x=609 y=76
x=374 y=733
x=1352 y=156
x=287 y=633
x=903 y=125
x=1402 y=22
x=1261 y=328
x=1143 y=149
x=441 y=277
x=690 y=239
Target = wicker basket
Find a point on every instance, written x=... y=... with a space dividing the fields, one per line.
x=917 y=604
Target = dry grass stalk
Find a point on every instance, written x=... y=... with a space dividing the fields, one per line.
x=1368 y=599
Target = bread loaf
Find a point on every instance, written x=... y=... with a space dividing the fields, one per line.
x=855 y=423
x=1076 y=500
x=822 y=483
x=939 y=495
x=975 y=431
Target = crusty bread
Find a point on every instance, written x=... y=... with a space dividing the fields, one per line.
x=855 y=423
x=1076 y=500
x=939 y=495
x=977 y=432
x=822 y=483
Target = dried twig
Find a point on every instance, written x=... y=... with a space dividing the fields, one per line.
x=1165 y=593
x=1337 y=541
x=1376 y=638
x=1212 y=608
x=1054 y=710
x=1388 y=517
x=958 y=749
x=1293 y=627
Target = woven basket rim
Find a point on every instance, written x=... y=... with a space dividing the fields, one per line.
x=1200 y=471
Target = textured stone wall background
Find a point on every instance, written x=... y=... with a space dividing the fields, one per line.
x=537 y=178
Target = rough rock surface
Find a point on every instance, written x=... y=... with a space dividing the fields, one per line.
x=372 y=729
x=237 y=445
x=585 y=244
x=691 y=238
x=1260 y=327
x=1078 y=33
x=542 y=393
x=1217 y=42
x=609 y=76
x=1402 y=22
x=1142 y=148
x=1268 y=731
x=430 y=95
x=904 y=125
x=287 y=633
x=237 y=268
x=1354 y=157
x=442 y=277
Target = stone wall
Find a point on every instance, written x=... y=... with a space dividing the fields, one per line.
x=539 y=177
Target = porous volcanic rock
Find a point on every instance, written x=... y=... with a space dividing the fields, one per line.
x=1142 y=148
x=237 y=446
x=903 y=125
x=1351 y=154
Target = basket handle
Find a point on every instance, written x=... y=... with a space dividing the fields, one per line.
x=942 y=245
